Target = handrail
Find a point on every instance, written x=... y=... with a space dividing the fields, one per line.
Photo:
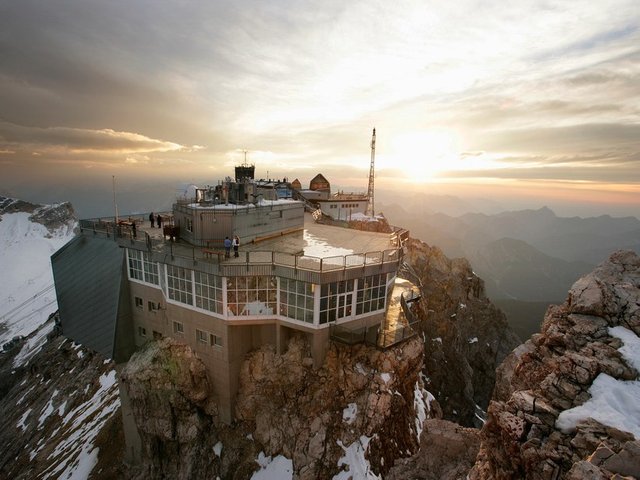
x=124 y=234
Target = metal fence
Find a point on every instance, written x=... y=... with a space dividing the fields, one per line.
x=125 y=235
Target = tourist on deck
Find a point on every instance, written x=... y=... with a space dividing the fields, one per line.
x=152 y=219
x=236 y=245
x=159 y=221
x=227 y=247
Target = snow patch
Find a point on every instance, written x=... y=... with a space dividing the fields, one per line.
x=33 y=345
x=631 y=348
x=613 y=402
x=422 y=404
x=21 y=423
x=75 y=456
x=27 y=295
x=47 y=410
x=278 y=468
x=217 y=449
x=386 y=378
x=349 y=413
x=354 y=461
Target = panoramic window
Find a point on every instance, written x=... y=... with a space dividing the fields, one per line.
x=296 y=300
x=141 y=268
x=135 y=264
x=208 y=289
x=336 y=300
x=179 y=285
x=255 y=295
x=372 y=291
x=150 y=270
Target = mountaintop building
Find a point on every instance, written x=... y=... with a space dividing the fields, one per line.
x=121 y=284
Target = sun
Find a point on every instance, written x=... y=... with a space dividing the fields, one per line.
x=421 y=155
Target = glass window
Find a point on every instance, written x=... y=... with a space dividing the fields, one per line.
x=215 y=340
x=142 y=268
x=178 y=327
x=139 y=302
x=179 y=284
x=142 y=331
x=255 y=295
x=201 y=336
x=296 y=300
x=372 y=291
x=336 y=301
x=135 y=264
x=150 y=270
x=208 y=290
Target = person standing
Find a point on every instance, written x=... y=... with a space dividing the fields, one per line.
x=133 y=229
x=227 y=247
x=152 y=219
x=236 y=245
x=159 y=221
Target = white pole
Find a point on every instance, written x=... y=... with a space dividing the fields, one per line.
x=115 y=205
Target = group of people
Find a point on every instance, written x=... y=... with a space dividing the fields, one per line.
x=228 y=243
x=155 y=219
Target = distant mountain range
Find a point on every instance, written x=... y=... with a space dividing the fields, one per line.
x=529 y=255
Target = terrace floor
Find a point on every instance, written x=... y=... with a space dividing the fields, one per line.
x=315 y=240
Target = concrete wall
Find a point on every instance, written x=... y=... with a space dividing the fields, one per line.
x=342 y=212
x=210 y=226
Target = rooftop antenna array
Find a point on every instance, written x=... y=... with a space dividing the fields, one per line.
x=245 y=171
x=370 y=212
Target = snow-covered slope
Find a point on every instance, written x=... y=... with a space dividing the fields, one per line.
x=56 y=398
x=29 y=234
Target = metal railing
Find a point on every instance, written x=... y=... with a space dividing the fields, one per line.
x=124 y=235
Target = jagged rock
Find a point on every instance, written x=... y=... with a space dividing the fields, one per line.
x=626 y=462
x=169 y=394
x=466 y=336
x=303 y=416
x=553 y=372
x=447 y=452
x=53 y=408
x=285 y=406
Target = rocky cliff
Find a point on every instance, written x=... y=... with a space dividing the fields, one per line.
x=565 y=403
x=360 y=411
x=466 y=336
x=60 y=410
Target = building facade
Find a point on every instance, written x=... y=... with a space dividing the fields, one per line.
x=291 y=276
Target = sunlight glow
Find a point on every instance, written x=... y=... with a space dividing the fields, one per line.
x=422 y=155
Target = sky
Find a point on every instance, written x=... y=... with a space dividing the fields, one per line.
x=522 y=103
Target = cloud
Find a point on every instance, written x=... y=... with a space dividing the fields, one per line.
x=81 y=140
x=574 y=138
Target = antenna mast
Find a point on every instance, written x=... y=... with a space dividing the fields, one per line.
x=370 y=210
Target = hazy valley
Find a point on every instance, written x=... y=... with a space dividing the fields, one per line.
x=527 y=258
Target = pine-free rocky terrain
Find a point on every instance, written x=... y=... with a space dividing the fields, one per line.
x=411 y=411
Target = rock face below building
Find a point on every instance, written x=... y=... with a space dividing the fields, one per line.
x=466 y=336
x=553 y=372
x=447 y=452
x=360 y=398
